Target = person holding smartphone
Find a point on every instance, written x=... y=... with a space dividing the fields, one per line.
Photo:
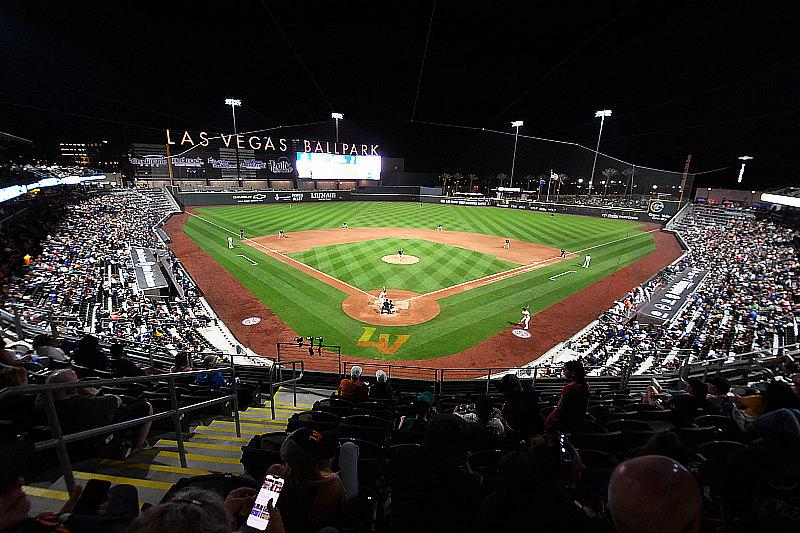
x=312 y=496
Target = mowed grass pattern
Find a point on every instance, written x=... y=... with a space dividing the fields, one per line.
x=440 y=265
x=312 y=307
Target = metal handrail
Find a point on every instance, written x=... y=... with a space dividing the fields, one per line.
x=278 y=367
x=389 y=367
x=59 y=441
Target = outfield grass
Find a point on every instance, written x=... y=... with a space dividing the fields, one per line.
x=440 y=265
x=312 y=307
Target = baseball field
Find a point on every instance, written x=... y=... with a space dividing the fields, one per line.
x=456 y=287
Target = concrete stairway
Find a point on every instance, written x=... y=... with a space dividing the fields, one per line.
x=212 y=448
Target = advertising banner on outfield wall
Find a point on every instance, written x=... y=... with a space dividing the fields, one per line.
x=260 y=197
x=666 y=302
x=655 y=210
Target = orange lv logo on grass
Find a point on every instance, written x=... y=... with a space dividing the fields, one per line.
x=382 y=344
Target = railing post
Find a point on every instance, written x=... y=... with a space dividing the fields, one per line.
x=235 y=399
x=176 y=422
x=271 y=392
x=294 y=381
x=488 y=380
x=18 y=324
x=150 y=353
x=441 y=382
x=53 y=326
x=61 y=448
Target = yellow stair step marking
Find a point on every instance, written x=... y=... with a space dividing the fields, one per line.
x=153 y=467
x=50 y=494
x=271 y=423
x=213 y=436
x=224 y=432
x=201 y=445
x=144 y=483
x=198 y=457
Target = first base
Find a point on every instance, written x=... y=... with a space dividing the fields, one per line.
x=521 y=333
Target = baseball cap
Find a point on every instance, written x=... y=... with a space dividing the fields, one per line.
x=308 y=445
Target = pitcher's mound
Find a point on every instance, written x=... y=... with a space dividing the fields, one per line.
x=400 y=259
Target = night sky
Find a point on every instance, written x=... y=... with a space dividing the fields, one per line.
x=713 y=79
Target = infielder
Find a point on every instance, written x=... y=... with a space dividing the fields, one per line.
x=526 y=317
x=281 y=234
x=507 y=244
x=344 y=225
x=587 y=261
x=439 y=228
x=563 y=254
x=241 y=233
x=230 y=242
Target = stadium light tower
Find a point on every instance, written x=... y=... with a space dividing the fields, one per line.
x=336 y=118
x=602 y=116
x=744 y=159
x=516 y=124
x=234 y=103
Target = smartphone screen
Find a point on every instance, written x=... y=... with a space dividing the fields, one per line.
x=270 y=489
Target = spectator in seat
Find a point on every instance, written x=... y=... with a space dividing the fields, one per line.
x=188 y=510
x=437 y=490
x=47 y=346
x=212 y=378
x=121 y=365
x=520 y=412
x=181 y=362
x=381 y=390
x=84 y=408
x=422 y=411
x=574 y=402
x=782 y=410
x=313 y=496
x=537 y=480
x=352 y=388
x=88 y=354
x=684 y=406
x=718 y=389
x=654 y=493
x=16 y=409
x=9 y=358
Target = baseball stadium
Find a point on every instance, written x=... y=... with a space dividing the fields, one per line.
x=221 y=315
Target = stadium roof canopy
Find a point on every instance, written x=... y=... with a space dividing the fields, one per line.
x=789 y=196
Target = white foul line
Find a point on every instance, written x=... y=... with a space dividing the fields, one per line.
x=553 y=278
x=276 y=252
x=242 y=255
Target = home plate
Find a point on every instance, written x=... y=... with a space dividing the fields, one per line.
x=521 y=333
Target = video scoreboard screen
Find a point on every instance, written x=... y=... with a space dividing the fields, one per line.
x=321 y=166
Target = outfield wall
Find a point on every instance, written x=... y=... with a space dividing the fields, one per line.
x=659 y=211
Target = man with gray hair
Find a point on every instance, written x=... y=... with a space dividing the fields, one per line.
x=381 y=390
x=352 y=388
x=655 y=494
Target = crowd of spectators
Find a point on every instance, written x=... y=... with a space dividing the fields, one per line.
x=748 y=301
x=66 y=254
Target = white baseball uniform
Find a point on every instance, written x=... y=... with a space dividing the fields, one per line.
x=526 y=317
x=230 y=243
x=587 y=261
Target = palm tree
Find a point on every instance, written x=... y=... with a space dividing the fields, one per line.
x=444 y=177
x=501 y=178
x=457 y=178
x=529 y=179
x=608 y=174
x=561 y=178
x=628 y=173
x=471 y=178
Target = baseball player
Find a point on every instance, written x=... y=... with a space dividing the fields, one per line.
x=241 y=233
x=439 y=228
x=400 y=252
x=526 y=317
x=507 y=244
x=587 y=261
x=230 y=242
x=552 y=216
x=281 y=234
x=344 y=225
x=382 y=296
x=563 y=254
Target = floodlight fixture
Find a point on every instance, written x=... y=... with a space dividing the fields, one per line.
x=233 y=102
x=603 y=113
x=337 y=116
x=516 y=124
